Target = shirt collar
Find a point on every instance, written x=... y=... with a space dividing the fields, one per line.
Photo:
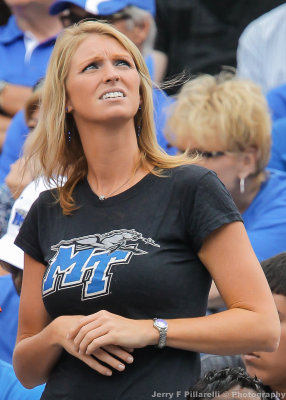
x=10 y=31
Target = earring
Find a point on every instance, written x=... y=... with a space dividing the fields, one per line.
x=241 y=185
x=69 y=136
x=138 y=131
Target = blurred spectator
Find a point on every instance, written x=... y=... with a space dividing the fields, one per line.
x=269 y=367
x=21 y=124
x=200 y=36
x=227 y=384
x=12 y=260
x=26 y=42
x=260 y=54
x=226 y=121
x=134 y=18
x=18 y=177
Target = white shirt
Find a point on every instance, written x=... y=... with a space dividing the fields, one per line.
x=261 y=53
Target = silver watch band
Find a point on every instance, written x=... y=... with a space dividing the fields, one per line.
x=162 y=339
x=162 y=326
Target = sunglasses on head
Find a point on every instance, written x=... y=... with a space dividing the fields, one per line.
x=70 y=17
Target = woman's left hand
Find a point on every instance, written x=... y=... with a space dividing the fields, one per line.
x=104 y=328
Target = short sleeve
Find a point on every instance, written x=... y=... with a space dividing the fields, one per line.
x=209 y=207
x=28 y=236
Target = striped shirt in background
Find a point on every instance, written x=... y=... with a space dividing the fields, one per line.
x=261 y=53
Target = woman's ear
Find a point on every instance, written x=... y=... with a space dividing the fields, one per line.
x=247 y=162
x=68 y=109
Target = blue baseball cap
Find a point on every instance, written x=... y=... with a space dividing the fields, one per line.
x=103 y=7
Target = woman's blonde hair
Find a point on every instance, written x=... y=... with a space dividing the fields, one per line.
x=48 y=143
x=224 y=109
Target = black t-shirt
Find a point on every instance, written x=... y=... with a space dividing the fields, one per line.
x=134 y=254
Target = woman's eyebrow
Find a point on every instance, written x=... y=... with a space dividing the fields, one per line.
x=99 y=58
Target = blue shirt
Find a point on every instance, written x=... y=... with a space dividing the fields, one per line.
x=13 y=66
x=265 y=218
x=14 y=140
x=162 y=103
x=276 y=99
x=278 y=146
x=149 y=60
x=12 y=389
x=9 y=303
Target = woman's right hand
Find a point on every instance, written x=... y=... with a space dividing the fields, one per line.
x=110 y=355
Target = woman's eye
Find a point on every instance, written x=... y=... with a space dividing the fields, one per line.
x=123 y=62
x=90 y=66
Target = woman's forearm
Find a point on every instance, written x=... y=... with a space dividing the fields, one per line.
x=237 y=330
x=233 y=331
x=35 y=356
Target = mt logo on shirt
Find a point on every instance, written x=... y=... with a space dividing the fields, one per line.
x=87 y=261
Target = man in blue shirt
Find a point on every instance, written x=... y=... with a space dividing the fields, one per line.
x=26 y=42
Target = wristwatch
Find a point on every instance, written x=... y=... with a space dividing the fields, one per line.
x=162 y=326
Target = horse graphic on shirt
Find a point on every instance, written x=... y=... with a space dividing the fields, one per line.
x=87 y=261
x=110 y=241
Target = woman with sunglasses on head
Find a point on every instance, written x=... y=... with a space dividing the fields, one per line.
x=120 y=256
x=226 y=121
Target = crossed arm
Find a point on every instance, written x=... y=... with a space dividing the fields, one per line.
x=250 y=324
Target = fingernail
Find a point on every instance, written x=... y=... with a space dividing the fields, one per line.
x=108 y=373
x=130 y=359
x=121 y=367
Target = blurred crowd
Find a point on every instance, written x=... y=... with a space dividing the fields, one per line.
x=218 y=69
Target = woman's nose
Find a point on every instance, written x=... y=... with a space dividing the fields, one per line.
x=110 y=73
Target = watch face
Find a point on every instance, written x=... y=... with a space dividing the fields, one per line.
x=161 y=323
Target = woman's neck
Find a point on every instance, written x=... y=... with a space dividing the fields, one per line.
x=35 y=18
x=113 y=159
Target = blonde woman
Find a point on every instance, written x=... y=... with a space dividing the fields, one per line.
x=120 y=258
x=226 y=121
